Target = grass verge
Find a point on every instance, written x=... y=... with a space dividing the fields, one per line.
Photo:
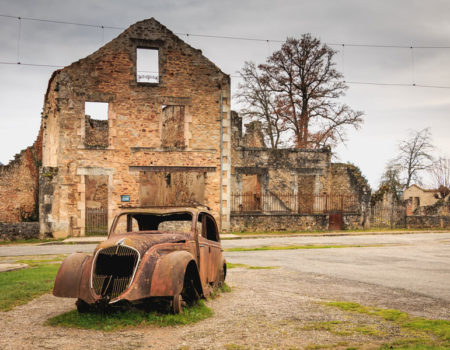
x=421 y=333
x=292 y=247
x=130 y=318
x=21 y=286
x=119 y=319
x=372 y=230
x=28 y=241
x=232 y=266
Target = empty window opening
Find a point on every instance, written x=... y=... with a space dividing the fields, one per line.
x=96 y=110
x=96 y=125
x=147 y=67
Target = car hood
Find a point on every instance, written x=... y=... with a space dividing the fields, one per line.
x=143 y=241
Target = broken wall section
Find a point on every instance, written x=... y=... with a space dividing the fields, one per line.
x=292 y=189
x=19 y=185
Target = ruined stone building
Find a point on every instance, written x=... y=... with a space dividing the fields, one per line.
x=157 y=143
x=291 y=189
x=145 y=121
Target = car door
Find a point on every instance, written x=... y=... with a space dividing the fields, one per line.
x=210 y=250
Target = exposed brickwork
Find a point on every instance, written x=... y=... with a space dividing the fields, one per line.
x=19 y=185
x=141 y=137
x=19 y=230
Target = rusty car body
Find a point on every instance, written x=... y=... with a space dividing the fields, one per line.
x=150 y=254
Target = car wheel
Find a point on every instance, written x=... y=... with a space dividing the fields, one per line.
x=177 y=304
x=82 y=306
x=220 y=280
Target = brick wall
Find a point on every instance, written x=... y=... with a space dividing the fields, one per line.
x=19 y=185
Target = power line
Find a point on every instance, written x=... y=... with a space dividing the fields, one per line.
x=223 y=36
x=239 y=77
x=30 y=64
x=102 y=27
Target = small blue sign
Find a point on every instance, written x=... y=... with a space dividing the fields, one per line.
x=125 y=198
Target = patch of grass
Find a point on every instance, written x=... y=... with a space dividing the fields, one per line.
x=235 y=347
x=343 y=328
x=37 y=262
x=291 y=247
x=33 y=240
x=412 y=344
x=425 y=333
x=335 y=327
x=20 y=286
x=130 y=318
x=326 y=346
x=224 y=288
x=232 y=266
x=371 y=230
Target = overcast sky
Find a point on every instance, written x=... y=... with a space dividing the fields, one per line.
x=390 y=111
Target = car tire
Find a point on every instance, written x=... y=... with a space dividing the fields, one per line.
x=177 y=304
x=82 y=306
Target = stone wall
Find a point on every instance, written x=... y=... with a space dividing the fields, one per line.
x=290 y=222
x=268 y=223
x=19 y=185
x=430 y=222
x=20 y=230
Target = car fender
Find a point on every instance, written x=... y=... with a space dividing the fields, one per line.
x=168 y=276
x=70 y=275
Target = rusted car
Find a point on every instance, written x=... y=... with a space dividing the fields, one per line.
x=151 y=254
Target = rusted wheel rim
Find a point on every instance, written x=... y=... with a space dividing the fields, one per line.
x=177 y=304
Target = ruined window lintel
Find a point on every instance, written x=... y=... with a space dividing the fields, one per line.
x=173 y=168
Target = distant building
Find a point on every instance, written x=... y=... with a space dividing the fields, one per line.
x=416 y=197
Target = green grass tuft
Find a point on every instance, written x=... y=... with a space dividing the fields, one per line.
x=21 y=286
x=130 y=318
x=426 y=334
x=232 y=266
x=291 y=247
x=32 y=240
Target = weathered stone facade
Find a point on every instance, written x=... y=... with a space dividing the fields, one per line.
x=19 y=185
x=167 y=129
x=291 y=189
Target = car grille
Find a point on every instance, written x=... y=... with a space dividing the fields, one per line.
x=114 y=269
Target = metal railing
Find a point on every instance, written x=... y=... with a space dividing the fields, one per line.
x=96 y=222
x=277 y=202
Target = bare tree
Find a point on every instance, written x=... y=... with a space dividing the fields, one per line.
x=391 y=178
x=261 y=104
x=305 y=87
x=415 y=156
x=440 y=172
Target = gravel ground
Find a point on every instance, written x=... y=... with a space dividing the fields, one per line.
x=267 y=309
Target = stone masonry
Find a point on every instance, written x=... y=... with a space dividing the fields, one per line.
x=19 y=185
x=164 y=131
x=291 y=189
